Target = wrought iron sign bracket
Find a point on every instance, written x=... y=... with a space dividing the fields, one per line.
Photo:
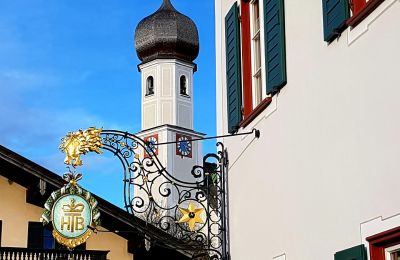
x=186 y=215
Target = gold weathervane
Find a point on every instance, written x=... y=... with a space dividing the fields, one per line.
x=191 y=215
x=81 y=142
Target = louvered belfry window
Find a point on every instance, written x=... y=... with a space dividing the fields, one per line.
x=183 y=85
x=149 y=86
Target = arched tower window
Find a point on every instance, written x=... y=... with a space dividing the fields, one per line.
x=149 y=86
x=183 y=85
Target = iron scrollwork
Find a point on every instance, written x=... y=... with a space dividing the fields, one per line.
x=191 y=213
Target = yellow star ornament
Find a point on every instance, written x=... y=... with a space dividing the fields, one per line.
x=191 y=215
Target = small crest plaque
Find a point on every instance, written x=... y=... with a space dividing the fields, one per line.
x=72 y=211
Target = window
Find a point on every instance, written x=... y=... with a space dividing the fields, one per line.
x=360 y=9
x=37 y=236
x=149 y=86
x=183 y=85
x=256 y=51
x=338 y=14
x=385 y=245
x=41 y=237
x=48 y=239
x=392 y=253
x=247 y=95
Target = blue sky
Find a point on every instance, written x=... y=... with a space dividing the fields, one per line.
x=66 y=65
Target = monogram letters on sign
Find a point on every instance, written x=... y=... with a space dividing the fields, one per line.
x=72 y=210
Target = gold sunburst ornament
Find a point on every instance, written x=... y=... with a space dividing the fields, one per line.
x=191 y=215
x=80 y=142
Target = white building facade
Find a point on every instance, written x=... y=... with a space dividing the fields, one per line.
x=319 y=79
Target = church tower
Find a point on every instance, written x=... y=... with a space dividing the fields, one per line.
x=167 y=43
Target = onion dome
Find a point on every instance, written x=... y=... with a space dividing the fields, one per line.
x=166 y=34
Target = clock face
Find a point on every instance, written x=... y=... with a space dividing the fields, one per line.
x=184 y=145
x=151 y=142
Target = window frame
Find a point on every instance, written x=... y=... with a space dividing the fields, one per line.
x=251 y=107
x=245 y=39
x=361 y=10
x=378 y=243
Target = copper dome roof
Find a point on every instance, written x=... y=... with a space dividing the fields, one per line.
x=166 y=34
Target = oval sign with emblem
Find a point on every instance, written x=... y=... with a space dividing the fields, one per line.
x=72 y=216
x=72 y=211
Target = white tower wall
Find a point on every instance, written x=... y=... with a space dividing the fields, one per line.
x=179 y=167
x=167 y=114
x=167 y=105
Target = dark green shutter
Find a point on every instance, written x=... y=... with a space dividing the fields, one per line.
x=233 y=69
x=336 y=13
x=354 y=253
x=275 y=53
x=35 y=235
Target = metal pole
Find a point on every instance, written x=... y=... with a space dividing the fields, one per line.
x=254 y=131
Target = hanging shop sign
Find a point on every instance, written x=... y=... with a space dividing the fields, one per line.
x=72 y=210
x=73 y=213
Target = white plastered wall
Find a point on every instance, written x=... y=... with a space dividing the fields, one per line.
x=328 y=156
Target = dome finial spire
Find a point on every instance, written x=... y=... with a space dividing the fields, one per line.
x=167 y=3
